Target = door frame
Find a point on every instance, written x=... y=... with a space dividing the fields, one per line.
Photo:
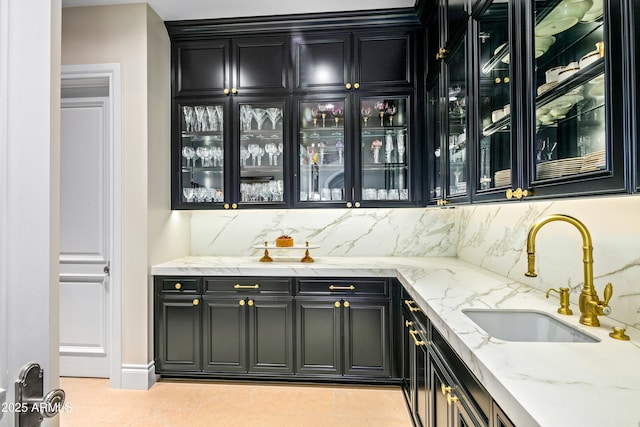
x=88 y=76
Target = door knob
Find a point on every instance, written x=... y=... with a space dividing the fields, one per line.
x=226 y=91
x=356 y=85
x=196 y=301
x=234 y=91
x=348 y=86
x=178 y=286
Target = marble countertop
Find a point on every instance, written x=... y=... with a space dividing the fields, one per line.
x=536 y=384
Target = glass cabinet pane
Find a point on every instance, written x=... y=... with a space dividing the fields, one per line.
x=203 y=150
x=433 y=134
x=261 y=162
x=457 y=121
x=383 y=148
x=570 y=79
x=322 y=151
x=494 y=152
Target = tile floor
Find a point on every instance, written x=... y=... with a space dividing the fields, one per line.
x=192 y=404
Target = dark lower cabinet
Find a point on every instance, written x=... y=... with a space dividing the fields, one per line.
x=177 y=343
x=343 y=337
x=246 y=335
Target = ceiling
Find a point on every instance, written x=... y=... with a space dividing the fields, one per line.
x=174 y=10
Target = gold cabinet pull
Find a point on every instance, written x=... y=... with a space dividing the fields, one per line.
x=444 y=389
x=234 y=91
x=408 y=324
x=196 y=301
x=241 y=302
x=409 y=303
x=518 y=193
x=225 y=91
x=417 y=342
x=239 y=286
x=234 y=206
x=442 y=202
x=348 y=86
x=356 y=85
x=178 y=286
x=337 y=304
x=342 y=288
x=346 y=304
x=349 y=204
x=226 y=205
x=250 y=303
x=441 y=53
x=356 y=204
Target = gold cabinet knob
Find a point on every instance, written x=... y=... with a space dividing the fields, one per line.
x=346 y=304
x=250 y=303
x=408 y=324
x=442 y=52
x=225 y=91
x=196 y=301
x=444 y=389
x=518 y=193
x=234 y=91
x=241 y=302
x=356 y=85
x=337 y=304
x=178 y=286
x=234 y=206
x=348 y=86
x=349 y=204
x=452 y=399
x=356 y=204
x=442 y=202
x=226 y=205
x=410 y=303
x=498 y=80
x=506 y=80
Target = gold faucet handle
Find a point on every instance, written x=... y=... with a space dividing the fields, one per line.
x=564 y=300
x=608 y=293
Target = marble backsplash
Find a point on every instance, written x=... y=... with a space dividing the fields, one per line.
x=492 y=236
x=338 y=232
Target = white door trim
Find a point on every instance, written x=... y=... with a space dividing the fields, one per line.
x=86 y=76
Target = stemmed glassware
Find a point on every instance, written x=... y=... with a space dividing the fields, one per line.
x=260 y=114
x=246 y=116
x=188 y=193
x=188 y=153
x=259 y=155
x=200 y=120
x=271 y=150
x=217 y=155
x=280 y=149
x=323 y=112
x=253 y=151
x=401 y=147
x=202 y=152
x=315 y=113
x=365 y=112
x=188 y=113
x=220 y=113
x=340 y=148
x=375 y=149
x=322 y=147
x=274 y=115
x=381 y=107
x=390 y=110
x=201 y=193
x=213 y=118
x=337 y=114
x=388 y=147
x=244 y=155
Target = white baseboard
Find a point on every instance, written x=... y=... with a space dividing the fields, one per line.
x=138 y=377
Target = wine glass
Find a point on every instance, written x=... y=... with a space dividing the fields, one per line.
x=337 y=113
x=259 y=155
x=274 y=115
x=253 y=151
x=188 y=153
x=388 y=147
x=322 y=147
x=188 y=193
x=200 y=120
x=365 y=112
x=246 y=116
x=217 y=154
x=220 y=113
x=340 y=149
x=201 y=152
x=280 y=149
x=244 y=155
x=260 y=114
x=188 y=113
x=381 y=107
x=271 y=150
x=391 y=110
x=401 y=147
x=375 y=149
x=212 y=123
x=323 y=112
x=315 y=113
x=200 y=193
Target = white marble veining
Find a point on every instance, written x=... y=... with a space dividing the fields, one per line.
x=338 y=232
x=537 y=384
x=494 y=237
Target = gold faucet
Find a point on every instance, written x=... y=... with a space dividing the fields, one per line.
x=590 y=305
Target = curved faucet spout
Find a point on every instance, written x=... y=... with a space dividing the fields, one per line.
x=590 y=304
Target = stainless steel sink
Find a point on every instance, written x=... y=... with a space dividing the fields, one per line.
x=526 y=326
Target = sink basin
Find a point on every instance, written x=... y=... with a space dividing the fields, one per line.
x=526 y=326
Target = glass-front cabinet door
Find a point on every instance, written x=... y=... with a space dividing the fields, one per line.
x=323 y=152
x=577 y=69
x=261 y=159
x=202 y=150
x=384 y=146
x=494 y=152
x=456 y=124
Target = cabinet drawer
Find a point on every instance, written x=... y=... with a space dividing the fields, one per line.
x=247 y=285
x=178 y=285
x=354 y=286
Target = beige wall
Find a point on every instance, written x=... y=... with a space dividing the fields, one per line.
x=134 y=36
